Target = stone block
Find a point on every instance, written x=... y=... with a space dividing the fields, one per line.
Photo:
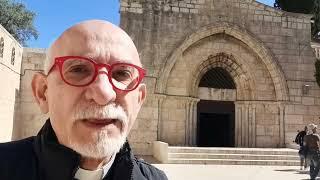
x=177 y=91
x=276 y=19
x=190 y=6
x=175 y=9
x=123 y=9
x=266 y=141
x=182 y=5
x=177 y=114
x=139 y=10
x=272 y=130
x=308 y=100
x=200 y=1
x=294 y=119
x=135 y=5
x=267 y=18
x=287 y=32
x=260 y=130
x=300 y=109
x=148 y=112
x=185 y=10
x=197 y=6
x=166 y=8
x=289 y=109
x=314 y=110
x=124 y=4
x=297 y=99
x=194 y=11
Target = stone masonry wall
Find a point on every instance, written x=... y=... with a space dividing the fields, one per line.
x=29 y=119
x=160 y=27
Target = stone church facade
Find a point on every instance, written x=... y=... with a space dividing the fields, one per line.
x=263 y=53
x=233 y=73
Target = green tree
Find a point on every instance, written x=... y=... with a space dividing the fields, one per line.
x=317 y=73
x=297 y=6
x=303 y=6
x=18 y=21
x=315 y=28
x=307 y=7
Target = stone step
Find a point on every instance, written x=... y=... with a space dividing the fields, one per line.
x=218 y=150
x=232 y=156
x=235 y=162
x=226 y=155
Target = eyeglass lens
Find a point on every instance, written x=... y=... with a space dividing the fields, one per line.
x=81 y=72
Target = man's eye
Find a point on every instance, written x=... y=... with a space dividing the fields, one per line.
x=121 y=75
x=78 y=69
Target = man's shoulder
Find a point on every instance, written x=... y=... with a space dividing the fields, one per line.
x=14 y=145
x=17 y=159
x=150 y=171
x=15 y=150
x=308 y=135
x=313 y=136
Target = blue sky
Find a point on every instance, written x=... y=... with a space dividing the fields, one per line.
x=54 y=16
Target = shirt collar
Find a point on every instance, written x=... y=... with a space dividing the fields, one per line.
x=83 y=174
x=107 y=166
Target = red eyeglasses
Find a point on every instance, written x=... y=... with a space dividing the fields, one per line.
x=81 y=71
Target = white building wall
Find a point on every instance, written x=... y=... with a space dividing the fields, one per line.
x=9 y=84
x=316 y=48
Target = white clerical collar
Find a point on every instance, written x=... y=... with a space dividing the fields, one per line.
x=83 y=174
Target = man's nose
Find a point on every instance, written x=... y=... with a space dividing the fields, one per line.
x=101 y=90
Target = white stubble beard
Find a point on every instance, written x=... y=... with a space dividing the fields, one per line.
x=101 y=145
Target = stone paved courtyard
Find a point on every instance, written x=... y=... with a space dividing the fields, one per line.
x=229 y=172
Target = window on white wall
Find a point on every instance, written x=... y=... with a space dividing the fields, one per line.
x=13 y=55
x=1 y=47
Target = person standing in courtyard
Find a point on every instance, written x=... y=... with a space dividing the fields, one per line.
x=302 y=149
x=312 y=143
x=92 y=92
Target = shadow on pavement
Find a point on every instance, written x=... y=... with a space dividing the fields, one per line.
x=297 y=172
x=287 y=170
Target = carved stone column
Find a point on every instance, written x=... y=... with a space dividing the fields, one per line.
x=191 y=121
x=254 y=127
x=160 y=99
x=238 y=129
x=245 y=124
x=188 y=123
x=282 y=125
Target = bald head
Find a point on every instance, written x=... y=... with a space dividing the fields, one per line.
x=95 y=39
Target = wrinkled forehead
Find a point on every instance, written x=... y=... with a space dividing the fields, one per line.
x=103 y=45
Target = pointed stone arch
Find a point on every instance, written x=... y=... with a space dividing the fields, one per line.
x=242 y=79
x=242 y=35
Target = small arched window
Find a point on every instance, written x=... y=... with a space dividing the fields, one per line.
x=1 y=47
x=13 y=55
x=217 y=78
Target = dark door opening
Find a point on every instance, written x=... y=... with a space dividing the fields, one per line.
x=215 y=125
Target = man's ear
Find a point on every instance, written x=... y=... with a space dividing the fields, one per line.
x=39 y=89
x=142 y=93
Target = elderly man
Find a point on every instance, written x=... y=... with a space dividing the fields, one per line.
x=92 y=92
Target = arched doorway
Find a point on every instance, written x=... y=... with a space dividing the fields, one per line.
x=216 y=112
x=253 y=68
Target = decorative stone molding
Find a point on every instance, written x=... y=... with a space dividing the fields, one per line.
x=242 y=79
x=242 y=35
